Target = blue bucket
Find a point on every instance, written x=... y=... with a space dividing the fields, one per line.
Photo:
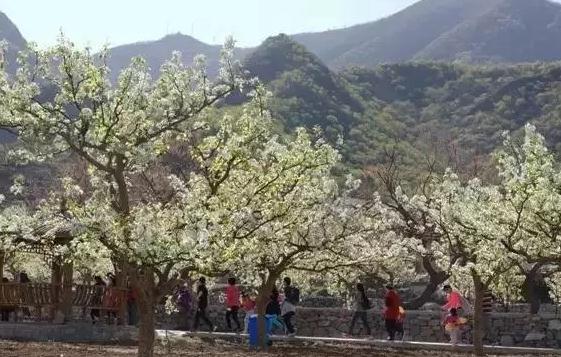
x=252 y=328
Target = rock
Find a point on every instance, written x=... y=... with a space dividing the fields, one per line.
x=507 y=340
x=554 y=325
x=534 y=336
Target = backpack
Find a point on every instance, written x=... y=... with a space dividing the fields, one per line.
x=293 y=295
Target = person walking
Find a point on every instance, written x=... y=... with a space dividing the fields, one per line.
x=202 y=304
x=232 y=304
x=248 y=306
x=392 y=313
x=288 y=308
x=361 y=305
x=184 y=304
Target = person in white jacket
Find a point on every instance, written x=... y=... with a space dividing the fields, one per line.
x=288 y=308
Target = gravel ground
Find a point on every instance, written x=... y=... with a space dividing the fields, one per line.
x=197 y=347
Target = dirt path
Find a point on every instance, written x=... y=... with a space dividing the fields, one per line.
x=198 y=348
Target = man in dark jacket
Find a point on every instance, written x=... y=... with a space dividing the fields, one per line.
x=202 y=304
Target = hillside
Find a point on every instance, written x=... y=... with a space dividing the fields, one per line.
x=306 y=91
x=471 y=31
x=514 y=31
x=455 y=108
x=459 y=110
x=14 y=41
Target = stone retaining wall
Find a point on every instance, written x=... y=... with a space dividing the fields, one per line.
x=506 y=329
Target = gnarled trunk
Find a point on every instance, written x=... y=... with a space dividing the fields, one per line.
x=478 y=315
x=436 y=277
x=534 y=288
x=146 y=300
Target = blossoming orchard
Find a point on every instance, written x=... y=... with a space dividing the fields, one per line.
x=162 y=180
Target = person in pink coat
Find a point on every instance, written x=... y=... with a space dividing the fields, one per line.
x=453 y=299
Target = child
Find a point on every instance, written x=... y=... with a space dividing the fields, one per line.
x=274 y=309
x=232 y=304
x=452 y=325
x=248 y=306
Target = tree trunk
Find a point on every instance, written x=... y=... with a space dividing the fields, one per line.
x=532 y=289
x=146 y=331
x=122 y=206
x=436 y=277
x=263 y=298
x=533 y=295
x=478 y=316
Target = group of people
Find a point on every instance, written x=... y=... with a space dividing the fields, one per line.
x=107 y=298
x=281 y=308
x=393 y=312
x=454 y=317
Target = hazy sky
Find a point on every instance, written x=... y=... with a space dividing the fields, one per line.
x=95 y=22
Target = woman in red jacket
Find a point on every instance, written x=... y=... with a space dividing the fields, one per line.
x=232 y=304
x=392 y=314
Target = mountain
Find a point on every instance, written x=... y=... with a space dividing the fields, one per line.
x=14 y=41
x=416 y=105
x=307 y=92
x=468 y=30
x=453 y=108
x=157 y=52
x=513 y=31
